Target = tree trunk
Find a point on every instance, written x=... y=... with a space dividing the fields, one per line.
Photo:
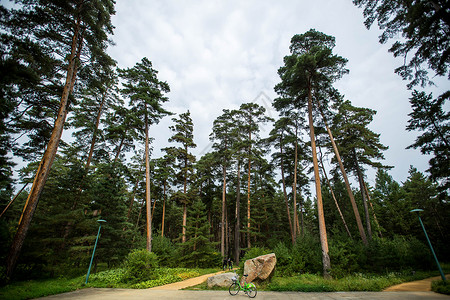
x=94 y=135
x=322 y=229
x=222 y=237
x=248 y=189
x=49 y=155
x=119 y=149
x=373 y=210
x=363 y=195
x=14 y=198
x=285 y=195
x=147 y=184
x=183 y=237
x=237 y=231
x=164 y=209
x=332 y=194
x=294 y=184
x=347 y=183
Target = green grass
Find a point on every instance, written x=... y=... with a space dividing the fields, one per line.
x=356 y=282
x=110 y=278
x=39 y=288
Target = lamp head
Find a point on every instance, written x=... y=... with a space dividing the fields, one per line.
x=416 y=210
x=102 y=221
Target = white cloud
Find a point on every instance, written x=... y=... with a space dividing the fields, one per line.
x=218 y=54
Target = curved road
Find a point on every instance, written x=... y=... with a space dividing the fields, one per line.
x=417 y=290
x=128 y=294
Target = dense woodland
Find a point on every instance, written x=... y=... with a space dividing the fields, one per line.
x=249 y=194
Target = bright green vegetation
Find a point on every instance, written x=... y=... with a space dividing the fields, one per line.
x=356 y=282
x=107 y=279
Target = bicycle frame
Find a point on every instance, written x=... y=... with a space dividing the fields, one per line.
x=248 y=288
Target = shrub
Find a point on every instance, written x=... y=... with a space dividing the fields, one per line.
x=442 y=287
x=140 y=265
x=165 y=249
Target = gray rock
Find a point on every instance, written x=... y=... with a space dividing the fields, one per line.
x=220 y=280
x=260 y=268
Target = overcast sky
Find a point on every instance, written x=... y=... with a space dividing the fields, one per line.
x=217 y=55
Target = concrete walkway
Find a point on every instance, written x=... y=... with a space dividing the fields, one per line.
x=418 y=290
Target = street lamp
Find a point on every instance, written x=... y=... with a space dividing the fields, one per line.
x=95 y=246
x=418 y=210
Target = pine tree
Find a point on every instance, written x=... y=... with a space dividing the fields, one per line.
x=72 y=30
x=358 y=145
x=310 y=63
x=183 y=133
x=429 y=117
x=197 y=250
x=146 y=94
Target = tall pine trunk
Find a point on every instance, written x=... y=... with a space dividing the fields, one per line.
x=222 y=237
x=237 y=231
x=332 y=194
x=248 y=188
x=147 y=185
x=294 y=184
x=347 y=183
x=183 y=238
x=94 y=135
x=164 y=209
x=322 y=229
x=285 y=195
x=363 y=195
x=49 y=154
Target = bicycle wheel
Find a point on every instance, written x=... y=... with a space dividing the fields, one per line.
x=251 y=292
x=234 y=289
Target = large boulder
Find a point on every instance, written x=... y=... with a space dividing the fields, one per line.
x=220 y=280
x=260 y=268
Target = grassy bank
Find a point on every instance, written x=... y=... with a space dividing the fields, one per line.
x=357 y=282
x=111 y=279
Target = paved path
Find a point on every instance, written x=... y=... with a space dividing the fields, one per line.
x=418 y=290
x=129 y=294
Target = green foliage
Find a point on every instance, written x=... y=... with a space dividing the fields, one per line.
x=441 y=287
x=303 y=257
x=398 y=253
x=140 y=266
x=165 y=249
x=198 y=250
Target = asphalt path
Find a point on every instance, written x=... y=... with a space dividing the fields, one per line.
x=133 y=294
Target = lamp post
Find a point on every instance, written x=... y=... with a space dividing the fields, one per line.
x=418 y=210
x=95 y=246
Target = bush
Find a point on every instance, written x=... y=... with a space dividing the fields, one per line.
x=165 y=249
x=140 y=265
x=398 y=253
x=442 y=287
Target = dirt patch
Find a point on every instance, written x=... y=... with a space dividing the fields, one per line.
x=186 y=283
x=415 y=286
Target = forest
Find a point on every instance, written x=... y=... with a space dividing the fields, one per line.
x=301 y=191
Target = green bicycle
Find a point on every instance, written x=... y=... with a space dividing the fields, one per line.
x=248 y=288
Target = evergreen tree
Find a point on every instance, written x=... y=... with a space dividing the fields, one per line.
x=183 y=134
x=146 y=94
x=429 y=117
x=197 y=250
x=71 y=30
x=425 y=30
x=358 y=145
x=222 y=144
x=311 y=62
